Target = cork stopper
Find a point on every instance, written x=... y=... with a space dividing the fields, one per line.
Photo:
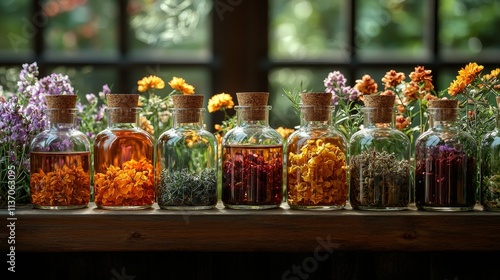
x=123 y=106
x=257 y=100
x=316 y=105
x=383 y=105
x=191 y=104
x=65 y=105
x=448 y=109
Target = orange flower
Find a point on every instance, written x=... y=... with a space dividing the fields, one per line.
x=366 y=85
x=402 y=122
x=393 y=79
x=218 y=127
x=218 y=101
x=422 y=78
x=494 y=74
x=145 y=125
x=151 y=82
x=466 y=76
x=180 y=85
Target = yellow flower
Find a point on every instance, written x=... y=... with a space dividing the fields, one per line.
x=465 y=77
x=179 y=84
x=218 y=101
x=151 y=82
x=494 y=74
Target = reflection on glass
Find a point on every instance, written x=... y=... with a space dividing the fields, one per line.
x=306 y=29
x=395 y=29
x=81 y=26
x=170 y=27
x=469 y=28
x=17 y=30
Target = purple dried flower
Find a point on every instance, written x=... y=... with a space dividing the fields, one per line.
x=91 y=98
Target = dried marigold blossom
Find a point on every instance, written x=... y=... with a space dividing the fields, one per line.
x=66 y=186
x=131 y=186
x=317 y=175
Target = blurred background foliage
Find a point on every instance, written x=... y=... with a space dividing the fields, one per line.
x=303 y=35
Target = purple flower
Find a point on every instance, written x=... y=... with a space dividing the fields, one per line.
x=334 y=79
x=335 y=83
x=105 y=90
x=56 y=84
x=91 y=98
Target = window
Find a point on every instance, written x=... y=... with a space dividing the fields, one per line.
x=230 y=45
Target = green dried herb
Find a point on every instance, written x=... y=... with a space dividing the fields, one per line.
x=184 y=188
x=379 y=180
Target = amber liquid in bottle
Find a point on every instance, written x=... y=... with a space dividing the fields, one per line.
x=124 y=174
x=252 y=175
x=60 y=180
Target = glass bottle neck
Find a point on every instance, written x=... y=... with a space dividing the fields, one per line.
x=252 y=116
x=443 y=118
x=61 y=119
x=187 y=118
x=375 y=117
x=123 y=117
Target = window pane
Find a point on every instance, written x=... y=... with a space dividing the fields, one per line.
x=306 y=29
x=290 y=79
x=81 y=28
x=17 y=29
x=469 y=29
x=390 y=30
x=170 y=28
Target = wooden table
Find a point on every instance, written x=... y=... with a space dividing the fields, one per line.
x=409 y=238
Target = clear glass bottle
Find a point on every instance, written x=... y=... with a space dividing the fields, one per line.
x=490 y=167
x=124 y=175
x=252 y=157
x=60 y=159
x=445 y=157
x=316 y=158
x=379 y=160
x=187 y=155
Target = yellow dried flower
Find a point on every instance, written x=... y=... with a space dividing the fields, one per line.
x=465 y=77
x=180 y=85
x=218 y=101
x=151 y=82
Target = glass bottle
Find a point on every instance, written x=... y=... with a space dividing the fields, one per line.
x=445 y=156
x=252 y=157
x=316 y=158
x=123 y=158
x=60 y=159
x=187 y=159
x=490 y=167
x=379 y=161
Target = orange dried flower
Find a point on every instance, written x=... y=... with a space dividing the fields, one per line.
x=66 y=186
x=411 y=91
x=180 y=85
x=392 y=79
x=131 y=186
x=366 y=86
